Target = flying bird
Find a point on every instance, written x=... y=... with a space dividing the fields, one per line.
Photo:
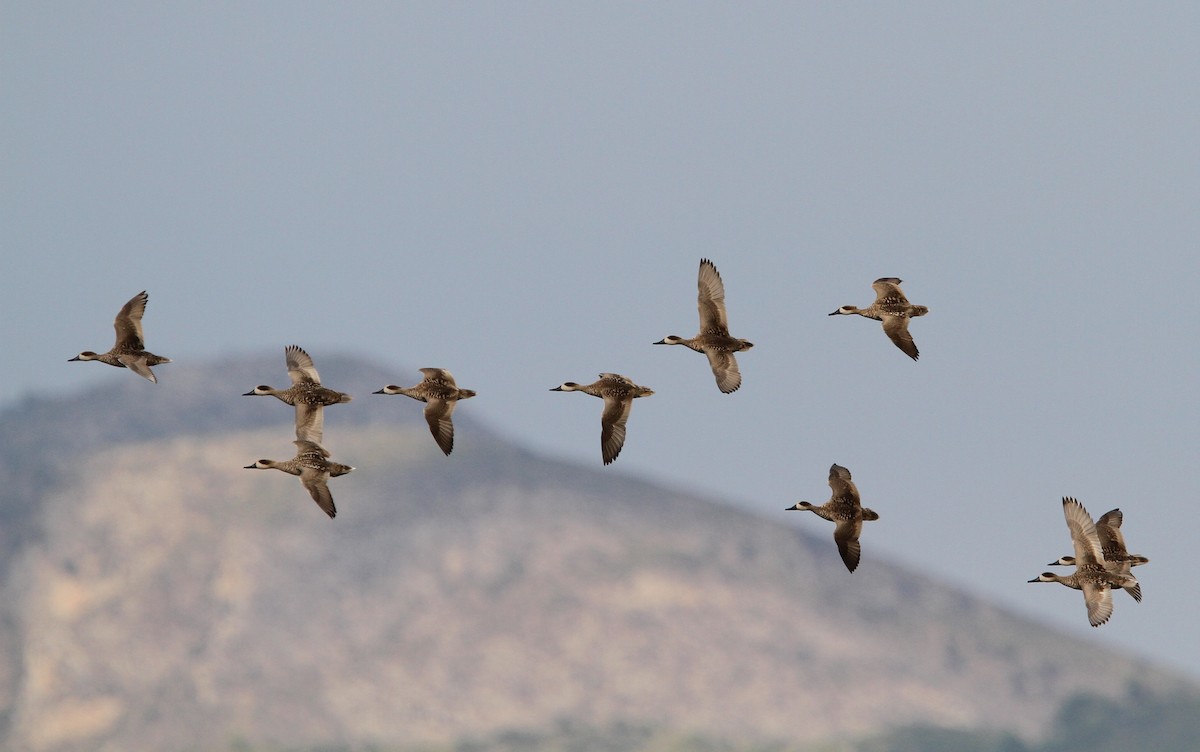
x=847 y=512
x=894 y=310
x=306 y=394
x=618 y=394
x=713 y=338
x=1092 y=575
x=312 y=464
x=440 y=395
x=1112 y=544
x=130 y=348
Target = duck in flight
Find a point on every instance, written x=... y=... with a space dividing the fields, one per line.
x=315 y=469
x=440 y=395
x=714 y=339
x=893 y=309
x=129 y=351
x=1112 y=544
x=845 y=509
x=618 y=394
x=1092 y=575
x=306 y=394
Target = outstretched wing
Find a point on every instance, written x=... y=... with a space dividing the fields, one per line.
x=318 y=488
x=725 y=369
x=612 y=427
x=896 y=328
x=310 y=422
x=300 y=366
x=888 y=292
x=843 y=488
x=1099 y=602
x=712 y=299
x=437 y=415
x=1083 y=533
x=137 y=364
x=1108 y=527
x=845 y=534
x=128 y=324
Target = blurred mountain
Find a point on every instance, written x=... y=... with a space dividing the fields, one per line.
x=156 y=595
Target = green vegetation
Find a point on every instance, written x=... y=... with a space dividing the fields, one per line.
x=1140 y=720
x=934 y=739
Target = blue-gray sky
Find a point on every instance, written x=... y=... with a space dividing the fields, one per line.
x=521 y=192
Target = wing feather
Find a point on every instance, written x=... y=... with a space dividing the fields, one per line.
x=725 y=369
x=711 y=300
x=438 y=374
x=310 y=422
x=128 y=323
x=612 y=427
x=1083 y=533
x=1099 y=602
x=318 y=487
x=896 y=328
x=846 y=534
x=843 y=488
x=888 y=292
x=437 y=415
x=300 y=366
x=137 y=364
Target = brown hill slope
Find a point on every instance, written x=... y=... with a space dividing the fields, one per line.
x=158 y=596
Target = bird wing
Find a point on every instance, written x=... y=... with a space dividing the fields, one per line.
x=1108 y=527
x=896 y=328
x=128 y=324
x=300 y=366
x=310 y=422
x=316 y=481
x=1083 y=533
x=612 y=427
x=1099 y=602
x=137 y=364
x=843 y=487
x=845 y=534
x=438 y=374
x=888 y=292
x=307 y=445
x=437 y=414
x=712 y=299
x=1112 y=518
x=725 y=369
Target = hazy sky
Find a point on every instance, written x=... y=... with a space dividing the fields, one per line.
x=521 y=193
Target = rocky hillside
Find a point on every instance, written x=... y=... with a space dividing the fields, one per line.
x=158 y=596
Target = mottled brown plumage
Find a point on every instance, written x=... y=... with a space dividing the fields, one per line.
x=312 y=464
x=893 y=309
x=713 y=338
x=306 y=394
x=618 y=394
x=1092 y=576
x=129 y=351
x=846 y=511
x=440 y=394
x=1112 y=544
